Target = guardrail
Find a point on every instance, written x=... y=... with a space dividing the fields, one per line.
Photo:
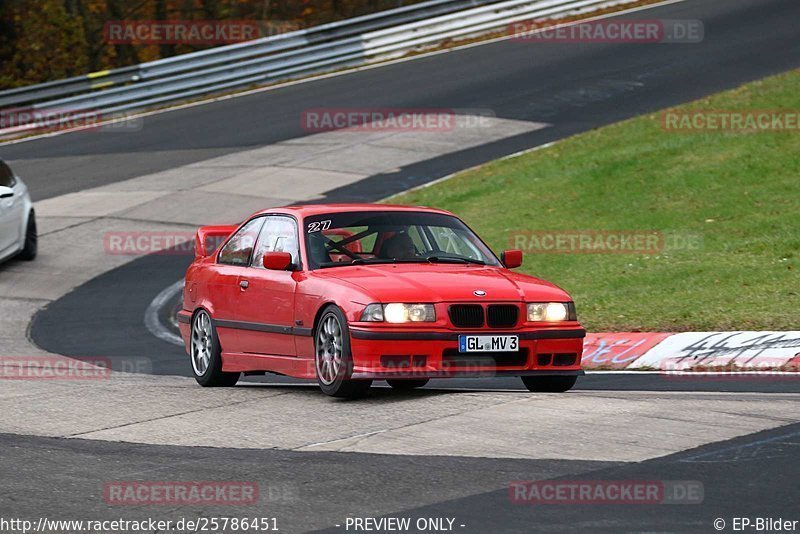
x=204 y=58
x=334 y=46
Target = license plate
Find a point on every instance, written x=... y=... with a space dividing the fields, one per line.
x=488 y=343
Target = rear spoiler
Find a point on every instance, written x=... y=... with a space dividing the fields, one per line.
x=209 y=238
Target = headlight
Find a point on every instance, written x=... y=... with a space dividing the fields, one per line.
x=396 y=312
x=551 y=312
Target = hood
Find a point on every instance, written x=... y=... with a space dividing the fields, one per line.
x=445 y=283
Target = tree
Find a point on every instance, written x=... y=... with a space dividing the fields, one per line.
x=43 y=40
x=47 y=42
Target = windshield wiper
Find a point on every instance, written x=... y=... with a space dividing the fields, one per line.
x=368 y=261
x=364 y=261
x=454 y=259
x=357 y=261
x=378 y=261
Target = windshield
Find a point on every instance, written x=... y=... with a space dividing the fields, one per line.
x=352 y=238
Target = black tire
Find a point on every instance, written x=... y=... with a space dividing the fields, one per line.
x=211 y=375
x=337 y=381
x=549 y=384
x=31 y=246
x=406 y=383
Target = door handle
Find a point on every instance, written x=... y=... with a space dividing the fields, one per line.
x=244 y=284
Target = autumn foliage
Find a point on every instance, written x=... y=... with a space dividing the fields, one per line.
x=43 y=40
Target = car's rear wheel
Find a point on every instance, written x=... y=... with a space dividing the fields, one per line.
x=549 y=384
x=206 y=354
x=401 y=383
x=31 y=244
x=333 y=360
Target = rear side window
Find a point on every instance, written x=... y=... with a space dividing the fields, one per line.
x=239 y=249
x=6 y=176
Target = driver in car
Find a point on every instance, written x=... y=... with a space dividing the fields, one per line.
x=399 y=247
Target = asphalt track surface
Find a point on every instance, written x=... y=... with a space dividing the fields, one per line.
x=573 y=87
x=752 y=476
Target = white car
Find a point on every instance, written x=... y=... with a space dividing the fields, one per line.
x=17 y=220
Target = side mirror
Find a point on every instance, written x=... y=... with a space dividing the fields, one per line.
x=277 y=261
x=511 y=258
x=6 y=192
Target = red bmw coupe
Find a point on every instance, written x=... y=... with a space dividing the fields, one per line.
x=348 y=294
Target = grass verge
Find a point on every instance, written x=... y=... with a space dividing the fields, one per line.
x=727 y=204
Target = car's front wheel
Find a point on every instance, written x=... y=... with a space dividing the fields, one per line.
x=549 y=384
x=206 y=354
x=31 y=244
x=332 y=357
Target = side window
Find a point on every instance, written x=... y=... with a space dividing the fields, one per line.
x=240 y=247
x=417 y=239
x=6 y=176
x=451 y=242
x=279 y=234
x=368 y=241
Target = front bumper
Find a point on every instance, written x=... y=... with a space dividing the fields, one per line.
x=383 y=353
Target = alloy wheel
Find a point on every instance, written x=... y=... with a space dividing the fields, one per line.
x=329 y=349
x=201 y=343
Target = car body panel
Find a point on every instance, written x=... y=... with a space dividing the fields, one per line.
x=401 y=282
x=267 y=299
x=14 y=214
x=269 y=325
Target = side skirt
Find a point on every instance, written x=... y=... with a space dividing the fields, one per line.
x=285 y=365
